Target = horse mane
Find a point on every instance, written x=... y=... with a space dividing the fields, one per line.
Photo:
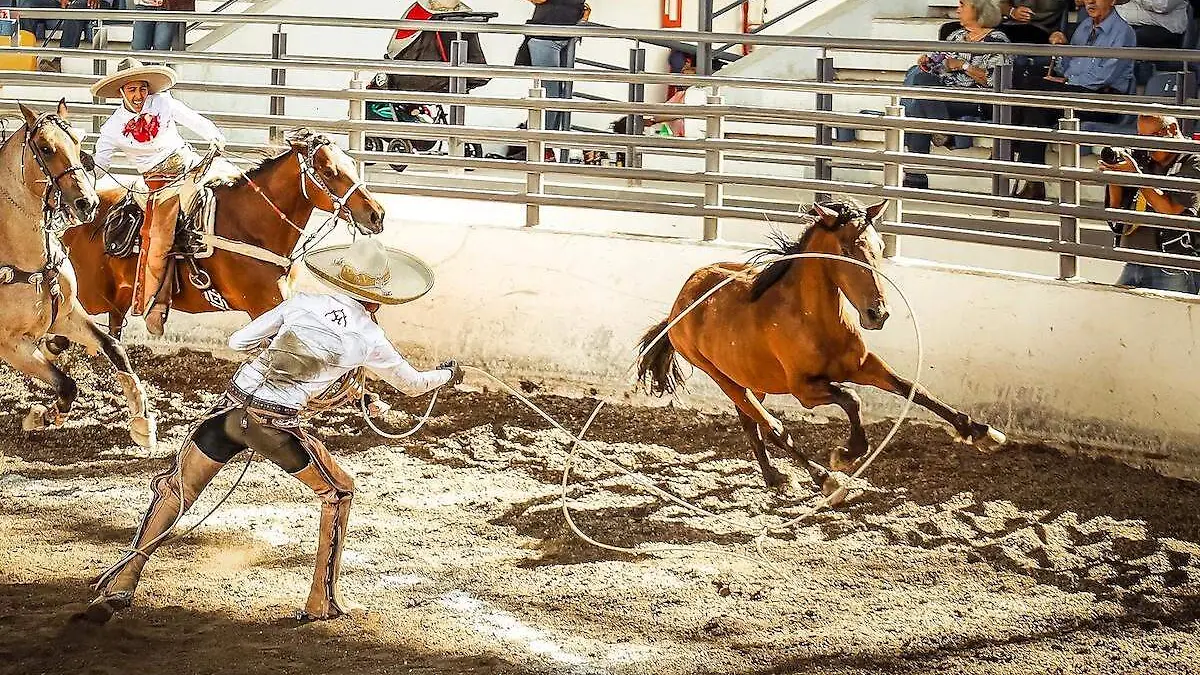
x=783 y=245
x=269 y=161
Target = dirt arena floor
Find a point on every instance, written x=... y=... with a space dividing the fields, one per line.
x=949 y=561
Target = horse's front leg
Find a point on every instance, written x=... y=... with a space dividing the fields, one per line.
x=876 y=373
x=26 y=356
x=77 y=327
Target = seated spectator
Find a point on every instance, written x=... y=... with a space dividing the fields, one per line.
x=1155 y=200
x=672 y=125
x=1157 y=23
x=72 y=29
x=979 y=19
x=1102 y=27
x=1025 y=21
x=682 y=63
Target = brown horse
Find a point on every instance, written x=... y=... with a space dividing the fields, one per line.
x=260 y=217
x=44 y=181
x=785 y=330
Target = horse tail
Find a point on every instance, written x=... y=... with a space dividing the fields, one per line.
x=657 y=366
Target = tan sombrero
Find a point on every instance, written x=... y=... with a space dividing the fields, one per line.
x=369 y=271
x=129 y=70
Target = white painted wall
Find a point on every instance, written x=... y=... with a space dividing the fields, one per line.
x=1040 y=359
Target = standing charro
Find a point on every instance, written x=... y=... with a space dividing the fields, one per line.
x=316 y=346
x=146 y=130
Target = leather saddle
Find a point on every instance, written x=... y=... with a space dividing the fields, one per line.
x=123 y=226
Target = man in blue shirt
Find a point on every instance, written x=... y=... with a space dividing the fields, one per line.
x=1089 y=76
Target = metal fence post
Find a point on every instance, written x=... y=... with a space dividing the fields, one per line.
x=704 y=48
x=358 y=112
x=893 y=176
x=1002 y=114
x=1185 y=88
x=535 y=153
x=99 y=67
x=824 y=133
x=1068 y=195
x=458 y=85
x=714 y=163
x=278 y=78
x=636 y=123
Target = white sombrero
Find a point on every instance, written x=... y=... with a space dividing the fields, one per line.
x=129 y=70
x=369 y=271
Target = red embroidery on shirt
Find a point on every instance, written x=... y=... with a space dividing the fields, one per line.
x=142 y=128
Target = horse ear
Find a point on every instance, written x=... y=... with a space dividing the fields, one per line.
x=62 y=109
x=874 y=210
x=827 y=216
x=30 y=116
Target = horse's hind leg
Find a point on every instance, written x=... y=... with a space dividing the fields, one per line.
x=774 y=477
x=26 y=356
x=877 y=374
x=79 y=328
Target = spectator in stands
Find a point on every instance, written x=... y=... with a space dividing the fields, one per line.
x=1157 y=23
x=1102 y=27
x=554 y=52
x=72 y=29
x=679 y=62
x=979 y=19
x=1155 y=200
x=1032 y=21
x=159 y=35
x=1025 y=21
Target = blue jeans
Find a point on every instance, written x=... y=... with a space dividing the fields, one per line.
x=1147 y=276
x=931 y=109
x=545 y=53
x=157 y=35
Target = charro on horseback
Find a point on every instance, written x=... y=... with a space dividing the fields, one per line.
x=145 y=128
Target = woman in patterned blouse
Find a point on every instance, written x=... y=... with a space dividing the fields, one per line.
x=979 y=19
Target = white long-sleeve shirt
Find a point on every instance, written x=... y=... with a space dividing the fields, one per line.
x=1169 y=14
x=316 y=339
x=160 y=110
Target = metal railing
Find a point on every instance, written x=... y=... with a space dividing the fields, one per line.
x=1066 y=226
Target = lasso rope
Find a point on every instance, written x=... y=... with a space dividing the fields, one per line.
x=578 y=445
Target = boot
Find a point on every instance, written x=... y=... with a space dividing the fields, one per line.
x=156 y=316
x=188 y=476
x=325 y=598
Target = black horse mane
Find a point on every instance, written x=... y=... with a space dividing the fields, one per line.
x=782 y=245
x=269 y=161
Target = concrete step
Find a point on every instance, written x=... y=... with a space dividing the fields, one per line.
x=913 y=28
x=873 y=61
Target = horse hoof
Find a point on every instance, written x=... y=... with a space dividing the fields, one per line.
x=35 y=419
x=144 y=431
x=996 y=437
x=835 y=487
x=839 y=462
x=778 y=480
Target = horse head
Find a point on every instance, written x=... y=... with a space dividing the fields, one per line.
x=331 y=181
x=852 y=226
x=58 y=162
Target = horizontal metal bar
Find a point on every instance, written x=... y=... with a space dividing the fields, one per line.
x=596 y=31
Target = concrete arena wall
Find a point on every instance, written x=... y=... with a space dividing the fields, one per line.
x=1073 y=363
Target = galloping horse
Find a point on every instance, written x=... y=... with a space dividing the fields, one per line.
x=42 y=182
x=785 y=330
x=259 y=218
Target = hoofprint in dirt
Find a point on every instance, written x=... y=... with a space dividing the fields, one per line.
x=949 y=560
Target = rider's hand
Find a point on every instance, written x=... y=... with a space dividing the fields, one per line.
x=456 y=371
x=218 y=144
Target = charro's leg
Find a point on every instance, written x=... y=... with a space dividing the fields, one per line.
x=305 y=457
x=158 y=286
x=173 y=493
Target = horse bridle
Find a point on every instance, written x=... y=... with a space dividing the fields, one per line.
x=53 y=185
x=308 y=170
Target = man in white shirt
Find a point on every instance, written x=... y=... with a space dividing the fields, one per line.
x=145 y=128
x=316 y=346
